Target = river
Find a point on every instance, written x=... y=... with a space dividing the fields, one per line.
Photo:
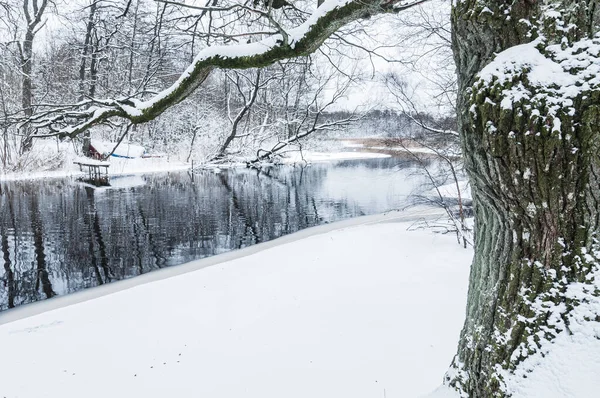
x=59 y=236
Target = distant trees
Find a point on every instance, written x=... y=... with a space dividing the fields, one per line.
x=135 y=101
x=106 y=48
x=301 y=109
x=130 y=50
x=21 y=22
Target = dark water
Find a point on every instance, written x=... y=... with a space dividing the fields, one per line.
x=59 y=236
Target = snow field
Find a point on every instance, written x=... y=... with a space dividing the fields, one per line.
x=365 y=311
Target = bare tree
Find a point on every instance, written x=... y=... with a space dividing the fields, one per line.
x=427 y=29
x=278 y=45
x=255 y=84
x=299 y=119
x=33 y=11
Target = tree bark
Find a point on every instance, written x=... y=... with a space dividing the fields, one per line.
x=534 y=176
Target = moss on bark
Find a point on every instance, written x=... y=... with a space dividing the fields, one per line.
x=533 y=166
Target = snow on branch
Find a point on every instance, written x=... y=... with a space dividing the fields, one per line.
x=70 y=121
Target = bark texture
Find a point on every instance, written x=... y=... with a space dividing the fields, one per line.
x=533 y=163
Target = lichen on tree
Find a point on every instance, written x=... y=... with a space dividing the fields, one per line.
x=529 y=121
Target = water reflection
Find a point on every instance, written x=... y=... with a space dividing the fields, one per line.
x=60 y=236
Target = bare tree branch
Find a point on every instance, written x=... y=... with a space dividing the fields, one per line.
x=302 y=40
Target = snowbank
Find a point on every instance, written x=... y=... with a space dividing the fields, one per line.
x=365 y=311
x=309 y=156
x=449 y=190
x=412 y=148
x=129 y=160
x=571 y=369
x=40 y=163
x=123 y=150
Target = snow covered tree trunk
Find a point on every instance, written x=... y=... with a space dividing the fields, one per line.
x=530 y=124
x=87 y=49
x=33 y=18
x=27 y=86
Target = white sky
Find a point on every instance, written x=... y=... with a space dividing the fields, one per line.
x=425 y=64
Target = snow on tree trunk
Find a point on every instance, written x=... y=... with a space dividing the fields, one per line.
x=529 y=118
x=33 y=18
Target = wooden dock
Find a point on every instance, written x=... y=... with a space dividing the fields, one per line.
x=97 y=171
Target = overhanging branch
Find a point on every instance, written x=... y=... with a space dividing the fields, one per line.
x=300 y=41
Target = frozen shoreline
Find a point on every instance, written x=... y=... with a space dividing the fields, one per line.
x=121 y=167
x=118 y=167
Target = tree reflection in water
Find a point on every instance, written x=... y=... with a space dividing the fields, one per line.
x=60 y=236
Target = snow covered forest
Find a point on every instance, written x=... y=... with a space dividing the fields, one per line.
x=77 y=56
x=238 y=264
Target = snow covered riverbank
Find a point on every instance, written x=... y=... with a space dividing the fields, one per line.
x=363 y=311
x=359 y=308
x=51 y=160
